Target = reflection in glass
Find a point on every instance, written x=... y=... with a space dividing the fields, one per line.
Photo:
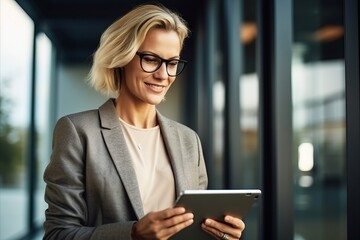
x=16 y=38
x=319 y=120
x=42 y=114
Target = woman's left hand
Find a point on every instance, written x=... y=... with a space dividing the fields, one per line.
x=230 y=229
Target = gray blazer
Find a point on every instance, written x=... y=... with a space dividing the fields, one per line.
x=91 y=186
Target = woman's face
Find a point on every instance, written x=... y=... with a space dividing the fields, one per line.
x=150 y=88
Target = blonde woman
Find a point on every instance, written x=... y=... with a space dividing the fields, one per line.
x=116 y=171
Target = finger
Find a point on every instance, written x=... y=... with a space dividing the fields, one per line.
x=168 y=232
x=212 y=231
x=218 y=234
x=170 y=212
x=236 y=222
x=175 y=220
x=218 y=229
x=154 y=226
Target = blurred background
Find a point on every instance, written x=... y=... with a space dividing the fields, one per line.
x=264 y=88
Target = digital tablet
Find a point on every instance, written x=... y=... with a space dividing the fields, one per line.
x=214 y=204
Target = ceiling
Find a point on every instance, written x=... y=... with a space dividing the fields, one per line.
x=75 y=26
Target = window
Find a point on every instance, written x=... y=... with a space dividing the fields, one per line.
x=16 y=39
x=318 y=83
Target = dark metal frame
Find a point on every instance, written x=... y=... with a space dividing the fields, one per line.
x=32 y=146
x=352 y=116
x=274 y=70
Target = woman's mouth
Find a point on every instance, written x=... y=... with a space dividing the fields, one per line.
x=154 y=87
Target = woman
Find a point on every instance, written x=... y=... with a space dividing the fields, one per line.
x=115 y=172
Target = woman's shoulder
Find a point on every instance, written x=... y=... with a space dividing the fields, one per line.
x=81 y=122
x=82 y=117
x=88 y=117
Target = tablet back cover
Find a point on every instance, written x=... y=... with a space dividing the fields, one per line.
x=214 y=204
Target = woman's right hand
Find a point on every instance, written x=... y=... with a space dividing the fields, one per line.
x=162 y=224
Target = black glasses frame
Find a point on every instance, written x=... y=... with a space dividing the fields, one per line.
x=162 y=60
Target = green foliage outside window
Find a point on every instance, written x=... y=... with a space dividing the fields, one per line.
x=11 y=159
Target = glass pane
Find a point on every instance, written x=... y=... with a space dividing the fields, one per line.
x=249 y=105
x=318 y=83
x=16 y=38
x=42 y=119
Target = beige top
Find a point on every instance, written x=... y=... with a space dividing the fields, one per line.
x=152 y=166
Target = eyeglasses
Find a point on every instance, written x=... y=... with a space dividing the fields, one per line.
x=151 y=63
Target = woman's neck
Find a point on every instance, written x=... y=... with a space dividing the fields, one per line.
x=139 y=115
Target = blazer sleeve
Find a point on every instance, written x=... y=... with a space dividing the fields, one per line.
x=67 y=213
x=203 y=179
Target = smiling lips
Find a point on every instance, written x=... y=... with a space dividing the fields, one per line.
x=155 y=88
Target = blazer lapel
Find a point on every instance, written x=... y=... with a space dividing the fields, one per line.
x=115 y=142
x=173 y=147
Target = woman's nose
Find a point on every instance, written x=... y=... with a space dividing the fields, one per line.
x=161 y=73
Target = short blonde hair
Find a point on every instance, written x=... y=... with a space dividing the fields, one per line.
x=121 y=40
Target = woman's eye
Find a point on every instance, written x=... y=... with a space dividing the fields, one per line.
x=150 y=59
x=173 y=63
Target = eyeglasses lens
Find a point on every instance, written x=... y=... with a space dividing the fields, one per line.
x=151 y=63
